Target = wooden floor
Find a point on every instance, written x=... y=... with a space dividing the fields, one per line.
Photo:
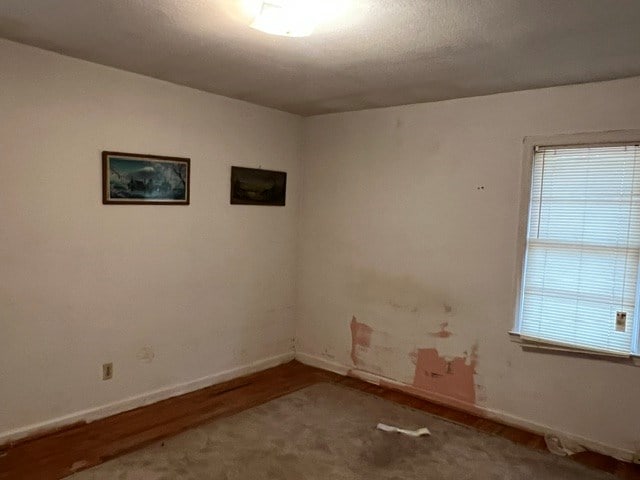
x=57 y=454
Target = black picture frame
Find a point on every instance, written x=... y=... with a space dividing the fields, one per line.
x=255 y=186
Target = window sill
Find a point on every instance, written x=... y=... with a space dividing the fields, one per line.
x=541 y=347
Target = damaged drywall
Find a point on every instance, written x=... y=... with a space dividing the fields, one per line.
x=451 y=378
x=447 y=377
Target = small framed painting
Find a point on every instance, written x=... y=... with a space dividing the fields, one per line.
x=254 y=186
x=131 y=178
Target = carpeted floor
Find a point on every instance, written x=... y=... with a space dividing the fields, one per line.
x=328 y=431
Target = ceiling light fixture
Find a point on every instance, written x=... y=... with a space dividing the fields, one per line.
x=292 y=18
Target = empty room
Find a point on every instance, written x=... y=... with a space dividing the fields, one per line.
x=319 y=239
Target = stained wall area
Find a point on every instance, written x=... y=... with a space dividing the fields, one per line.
x=408 y=258
x=177 y=297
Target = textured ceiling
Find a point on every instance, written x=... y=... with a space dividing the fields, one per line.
x=378 y=53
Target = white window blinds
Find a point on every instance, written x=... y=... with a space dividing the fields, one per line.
x=583 y=248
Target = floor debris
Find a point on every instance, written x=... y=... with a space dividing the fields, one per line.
x=412 y=433
x=562 y=446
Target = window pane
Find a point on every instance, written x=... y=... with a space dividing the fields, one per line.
x=583 y=247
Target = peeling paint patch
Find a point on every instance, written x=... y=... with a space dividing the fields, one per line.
x=360 y=339
x=443 y=332
x=449 y=378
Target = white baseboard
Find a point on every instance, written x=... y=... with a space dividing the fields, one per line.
x=143 y=399
x=322 y=363
x=591 y=445
x=502 y=417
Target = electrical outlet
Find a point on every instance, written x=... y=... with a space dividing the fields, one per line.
x=107 y=371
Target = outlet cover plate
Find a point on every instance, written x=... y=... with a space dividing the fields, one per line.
x=107 y=371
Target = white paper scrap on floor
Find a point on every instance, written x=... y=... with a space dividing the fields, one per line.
x=412 y=433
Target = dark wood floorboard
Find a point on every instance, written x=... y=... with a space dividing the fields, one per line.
x=59 y=453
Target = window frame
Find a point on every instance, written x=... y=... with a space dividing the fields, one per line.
x=530 y=143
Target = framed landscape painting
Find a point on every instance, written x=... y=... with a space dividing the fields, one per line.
x=254 y=186
x=131 y=178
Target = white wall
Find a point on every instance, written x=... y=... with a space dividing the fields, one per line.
x=394 y=231
x=397 y=231
x=207 y=288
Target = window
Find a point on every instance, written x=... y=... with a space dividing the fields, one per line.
x=579 y=281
